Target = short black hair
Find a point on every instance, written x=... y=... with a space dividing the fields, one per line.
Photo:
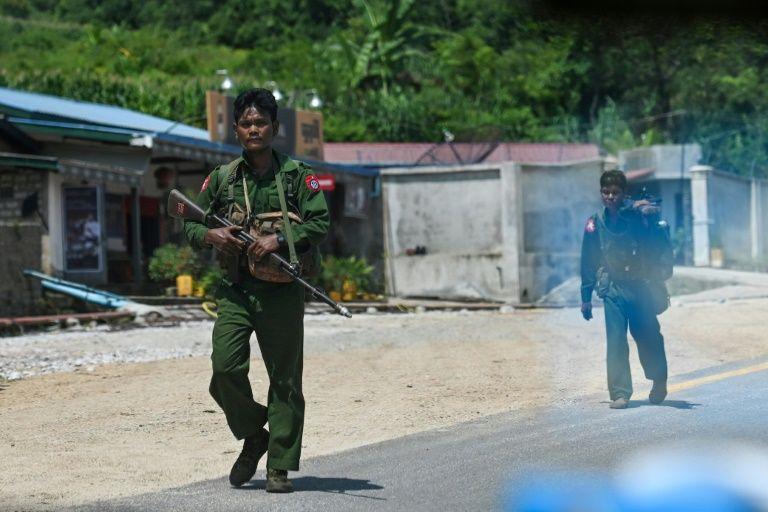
x=613 y=177
x=261 y=99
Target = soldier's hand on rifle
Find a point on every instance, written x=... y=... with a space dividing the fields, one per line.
x=224 y=240
x=586 y=310
x=645 y=207
x=263 y=246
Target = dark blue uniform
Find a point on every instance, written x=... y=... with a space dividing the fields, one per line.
x=626 y=261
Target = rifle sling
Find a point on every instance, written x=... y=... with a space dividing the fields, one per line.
x=286 y=222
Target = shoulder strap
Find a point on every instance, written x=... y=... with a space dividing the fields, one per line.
x=227 y=175
x=599 y=228
x=286 y=221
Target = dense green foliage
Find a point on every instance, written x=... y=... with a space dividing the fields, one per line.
x=405 y=70
x=352 y=270
x=170 y=261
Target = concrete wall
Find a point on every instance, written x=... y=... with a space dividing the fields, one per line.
x=509 y=231
x=556 y=202
x=17 y=184
x=21 y=248
x=729 y=214
x=729 y=204
x=456 y=214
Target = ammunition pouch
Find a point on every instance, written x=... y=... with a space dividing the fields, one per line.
x=232 y=264
x=266 y=269
x=603 y=283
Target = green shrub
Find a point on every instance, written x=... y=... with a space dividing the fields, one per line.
x=337 y=270
x=209 y=279
x=170 y=260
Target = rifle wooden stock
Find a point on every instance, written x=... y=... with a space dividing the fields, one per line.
x=180 y=207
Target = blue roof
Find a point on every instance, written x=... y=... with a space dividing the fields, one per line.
x=96 y=113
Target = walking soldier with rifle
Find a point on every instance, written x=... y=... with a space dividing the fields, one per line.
x=626 y=256
x=256 y=211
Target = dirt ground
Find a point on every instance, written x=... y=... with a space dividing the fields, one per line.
x=125 y=429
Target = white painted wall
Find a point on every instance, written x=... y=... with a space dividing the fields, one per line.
x=509 y=231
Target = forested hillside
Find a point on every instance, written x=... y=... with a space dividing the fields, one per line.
x=405 y=70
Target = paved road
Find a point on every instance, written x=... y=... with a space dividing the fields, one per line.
x=467 y=466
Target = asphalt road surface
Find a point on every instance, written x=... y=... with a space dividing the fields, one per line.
x=468 y=466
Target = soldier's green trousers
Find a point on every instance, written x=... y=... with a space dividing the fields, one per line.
x=628 y=304
x=275 y=311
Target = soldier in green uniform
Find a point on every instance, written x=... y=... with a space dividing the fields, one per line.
x=626 y=257
x=259 y=182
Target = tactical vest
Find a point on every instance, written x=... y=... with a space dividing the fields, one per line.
x=623 y=257
x=259 y=225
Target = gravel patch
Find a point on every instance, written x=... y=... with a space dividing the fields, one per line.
x=83 y=349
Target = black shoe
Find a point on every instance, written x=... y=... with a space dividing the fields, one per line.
x=658 y=392
x=619 y=403
x=277 y=481
x=254 y=448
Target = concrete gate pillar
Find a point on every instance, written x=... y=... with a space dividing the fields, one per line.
x=756 y=220
x=700 y=175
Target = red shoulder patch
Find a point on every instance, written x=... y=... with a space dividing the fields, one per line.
x=312 y=183
x=205 y=183
x=590 y=227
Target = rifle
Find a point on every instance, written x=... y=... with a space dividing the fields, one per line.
x=180 y=207
x=653 y=208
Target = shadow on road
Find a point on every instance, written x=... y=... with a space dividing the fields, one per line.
x=675 y=404
x=334 y=485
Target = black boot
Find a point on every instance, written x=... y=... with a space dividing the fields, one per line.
x=277 y=481
x=245 y=465
x=658 y=392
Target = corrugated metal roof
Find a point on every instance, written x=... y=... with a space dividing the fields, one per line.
x=96 y=113
x=406 y=153
x=371 y=153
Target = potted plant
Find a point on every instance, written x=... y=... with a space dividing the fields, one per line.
x=171 y=264
x=345 y=278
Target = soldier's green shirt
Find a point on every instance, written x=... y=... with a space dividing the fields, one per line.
x=308 y=201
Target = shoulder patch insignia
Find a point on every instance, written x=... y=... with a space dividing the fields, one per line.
x=205 y=183
x=590 y=227
x=312 y=183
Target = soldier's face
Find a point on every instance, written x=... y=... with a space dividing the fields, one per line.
x=613 y=197
x=255 y=130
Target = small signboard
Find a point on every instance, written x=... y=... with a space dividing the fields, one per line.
x=309 y=134
x=327 y=182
